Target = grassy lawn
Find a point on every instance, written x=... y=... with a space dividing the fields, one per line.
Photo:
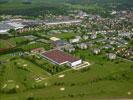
x=34 y=45
x=20 y=72
x=18 y=40
x=3 y=44
x=103 y=79
x=6 y=44
x=65 y=36
x=23 y=43
x=12 y=42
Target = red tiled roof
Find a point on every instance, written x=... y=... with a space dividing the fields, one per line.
x=59 y=56
x=37 y=50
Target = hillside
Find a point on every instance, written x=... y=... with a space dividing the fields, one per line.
x=30 y=8
x=37 y=7
x=110 y=3
x=106 y=3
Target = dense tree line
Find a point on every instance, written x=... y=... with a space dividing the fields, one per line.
x=120 y=4
x=3 y=1
x=36 y=11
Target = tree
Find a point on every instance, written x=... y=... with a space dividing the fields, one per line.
x=1 y=18
x=13 y=32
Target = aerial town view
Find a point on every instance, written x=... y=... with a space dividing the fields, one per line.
x=66 y=49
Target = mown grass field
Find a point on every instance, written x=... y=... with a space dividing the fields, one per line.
x=11 y=42
x=22 y=43
x=65 y=36
x=19 y=75
x=33 y=45
x=17 y=40
x=103 y=79
x=6 y=44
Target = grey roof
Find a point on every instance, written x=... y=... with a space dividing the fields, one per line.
x=60 y=43
x=5 y=26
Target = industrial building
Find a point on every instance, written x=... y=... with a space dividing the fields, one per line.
x=60 y=58
x=5 y=26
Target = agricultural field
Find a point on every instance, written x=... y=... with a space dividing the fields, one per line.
x=103 y=79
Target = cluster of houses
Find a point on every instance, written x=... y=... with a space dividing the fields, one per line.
x=26 y=25
x=107 y=40
x=100 y=34
x=72 y=46
x=49 y=24
x=125 y=53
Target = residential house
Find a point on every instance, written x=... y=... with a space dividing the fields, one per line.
x=112 y=56
x=93 y=36
x=85 y=37
x=82 y=46
x=75 y=40
x=69 y=48
x=96 y=51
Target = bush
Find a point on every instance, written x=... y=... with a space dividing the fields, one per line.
x=13 y=90
x=30 y=98
x=71 y=95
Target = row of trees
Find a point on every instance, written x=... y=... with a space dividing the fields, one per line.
x=35 y=11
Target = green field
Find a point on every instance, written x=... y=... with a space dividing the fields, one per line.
x=20 y=72
x=13 y=4
x=22 y=43
x=64 y=36
x=6 y=43
x=42 y=7
x=103 y=79
x=18 y=40
x=12 y=42
x=35 y=3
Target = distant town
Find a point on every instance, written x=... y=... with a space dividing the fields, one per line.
x=44 y=50
x=110 y=35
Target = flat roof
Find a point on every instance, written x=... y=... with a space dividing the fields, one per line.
x=62 y=22
x=59 y=56
x=54 y=39
x=5 y=26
